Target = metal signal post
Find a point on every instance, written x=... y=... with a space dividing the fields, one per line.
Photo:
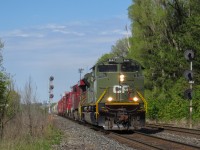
x=51 y=87
x=189 y=55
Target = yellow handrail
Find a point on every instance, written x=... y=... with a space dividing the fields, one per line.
x=143 y=99
x=98 y=101
x=80 y=104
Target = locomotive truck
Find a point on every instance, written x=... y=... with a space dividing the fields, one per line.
x=110 y=96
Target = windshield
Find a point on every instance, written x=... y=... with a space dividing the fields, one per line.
x=127 y=67
x=107 y=68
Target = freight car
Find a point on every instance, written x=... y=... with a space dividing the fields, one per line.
x=110 y=96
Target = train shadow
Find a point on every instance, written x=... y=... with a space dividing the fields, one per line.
x=142 y=130
x=151 y=130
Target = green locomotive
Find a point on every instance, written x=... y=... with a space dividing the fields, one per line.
x=112 y=95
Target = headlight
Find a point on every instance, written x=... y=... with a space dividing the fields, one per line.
x=135 y=99
x=121 y=77
x=110 y=99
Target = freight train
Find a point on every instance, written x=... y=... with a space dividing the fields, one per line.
x=110 y=96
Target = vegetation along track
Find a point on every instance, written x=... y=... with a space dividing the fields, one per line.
x=178 y=130
x=147 y=141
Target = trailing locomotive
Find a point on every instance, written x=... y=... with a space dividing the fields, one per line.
x=111 y=96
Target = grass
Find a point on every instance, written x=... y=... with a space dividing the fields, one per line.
x=51 y=136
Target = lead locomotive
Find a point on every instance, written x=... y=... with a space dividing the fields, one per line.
x=110 y=96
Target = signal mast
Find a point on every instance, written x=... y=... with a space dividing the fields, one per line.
x=51 y=87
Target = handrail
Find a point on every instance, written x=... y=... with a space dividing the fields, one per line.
x=98 y=101
x=82 y=100
x=143 y=99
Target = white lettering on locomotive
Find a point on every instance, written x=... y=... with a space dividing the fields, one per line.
x=120 y=88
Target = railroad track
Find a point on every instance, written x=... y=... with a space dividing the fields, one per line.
x=183 y=131
x=142 y=141
x=145 y=141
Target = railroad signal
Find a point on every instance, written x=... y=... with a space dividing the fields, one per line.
x=51 y=78
x=189 y=55
x=51 y=87
x=51 y=95
x=188 y=94
x=188 y=75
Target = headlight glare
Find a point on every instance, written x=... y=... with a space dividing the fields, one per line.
x=135 y=99
x=110 y=99
x=121 y=77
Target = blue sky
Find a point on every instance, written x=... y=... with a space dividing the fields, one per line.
x=56 y=37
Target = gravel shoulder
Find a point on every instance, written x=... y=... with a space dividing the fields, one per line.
x=79 y=137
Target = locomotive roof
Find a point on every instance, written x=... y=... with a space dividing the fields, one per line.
x=116 y=60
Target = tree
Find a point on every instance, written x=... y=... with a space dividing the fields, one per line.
x=33 y=116
x=105 y=57
x=3 y=97
x=120 y=49
x=162 y=30
x=9 y=98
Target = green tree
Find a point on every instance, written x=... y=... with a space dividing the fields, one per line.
x=9 y=98
x=120 y=49
x=105 y=57
x=162 y=30
x=3 y=93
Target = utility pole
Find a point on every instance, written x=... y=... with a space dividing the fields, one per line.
x=80 y=70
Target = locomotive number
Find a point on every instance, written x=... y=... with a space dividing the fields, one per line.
x=120 y=89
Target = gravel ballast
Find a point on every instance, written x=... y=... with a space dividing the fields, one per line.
x=79 y=137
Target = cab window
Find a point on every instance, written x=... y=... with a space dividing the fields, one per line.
x=107 y=68
x=127 y=67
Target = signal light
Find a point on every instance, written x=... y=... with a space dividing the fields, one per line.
x=188 y=94
x=51 y=87
x=189 y=55
x=51 y=96
x=51 y=78
x=188 y=75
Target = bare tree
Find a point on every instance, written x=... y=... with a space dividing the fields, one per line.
x=33 y=114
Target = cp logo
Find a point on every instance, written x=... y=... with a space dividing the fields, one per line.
x=120 y=89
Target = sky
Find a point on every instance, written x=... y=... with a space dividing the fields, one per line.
x=44 y=38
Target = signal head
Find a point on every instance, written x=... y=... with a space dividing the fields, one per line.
x=188 y=74
x=51 y=95
x=189 y=55
x=188 y=94
x=51 y=78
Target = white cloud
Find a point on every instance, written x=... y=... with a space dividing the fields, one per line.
x=68 y=32
x=21 y=33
